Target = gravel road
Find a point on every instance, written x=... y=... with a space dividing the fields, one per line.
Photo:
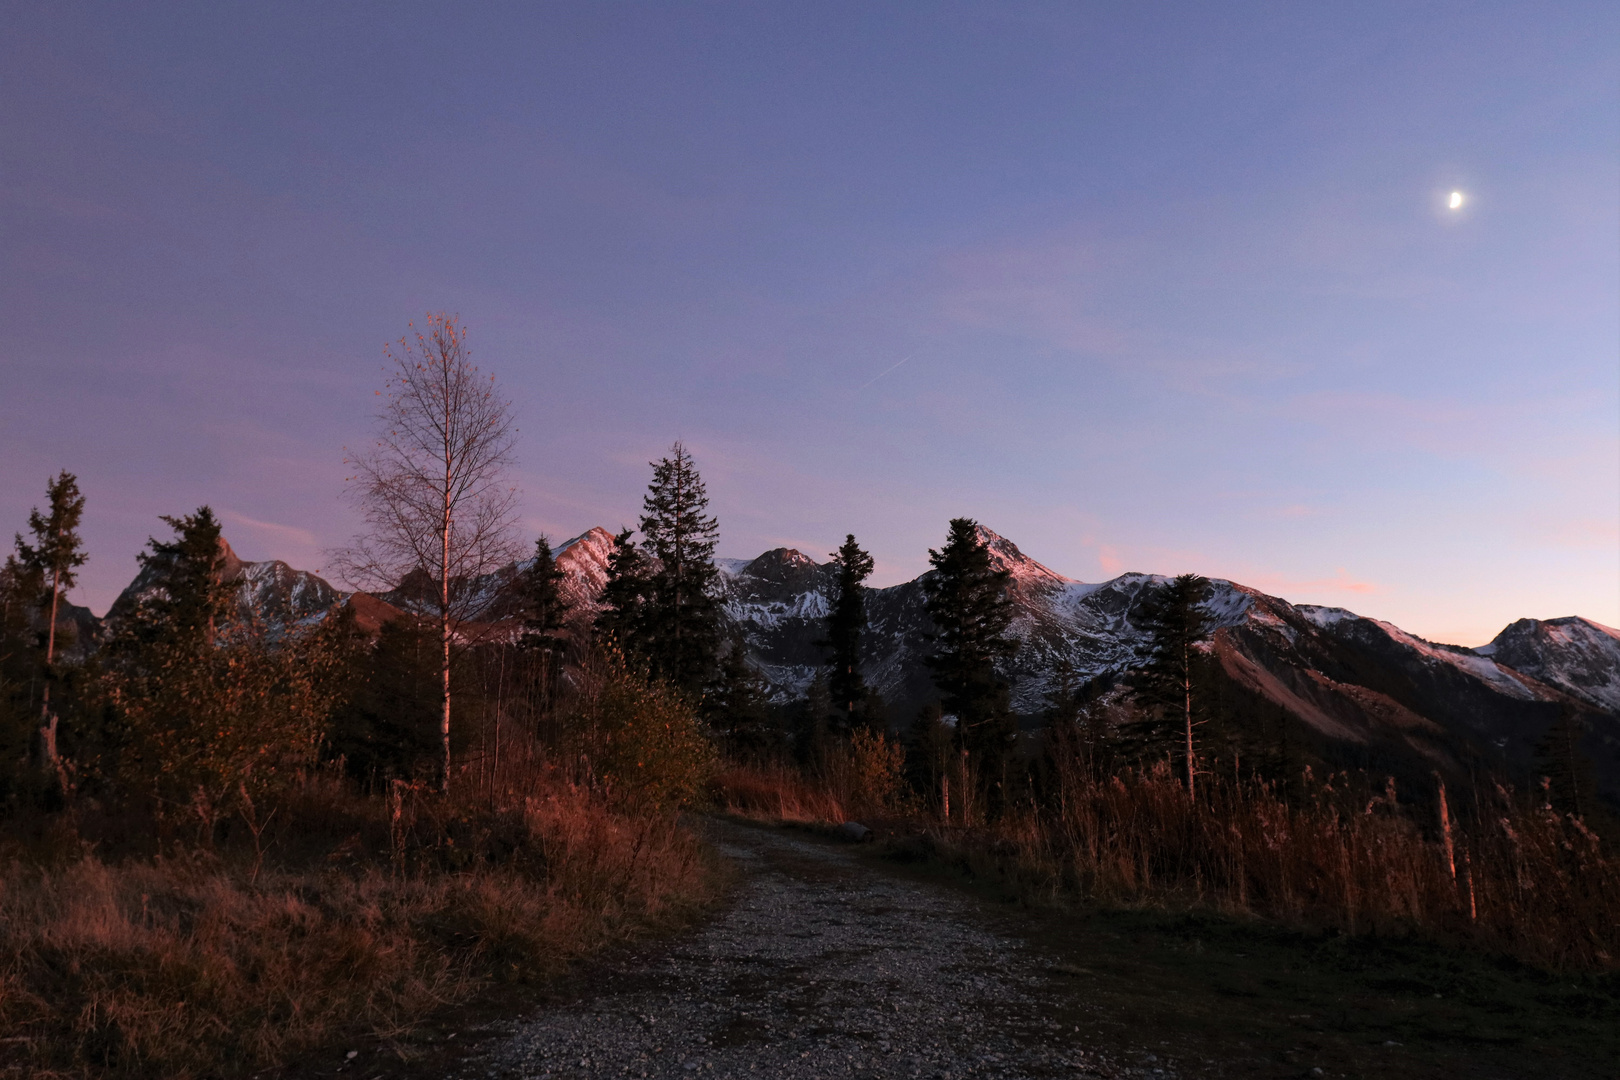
x=822 y=966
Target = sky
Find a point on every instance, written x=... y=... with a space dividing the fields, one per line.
x=1147 y=287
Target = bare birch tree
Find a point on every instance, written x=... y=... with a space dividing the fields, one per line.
x=434 y=488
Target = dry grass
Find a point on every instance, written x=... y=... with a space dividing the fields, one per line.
x=1521 y=880
x=863 y=777
x=775 y=793
x=197 y=965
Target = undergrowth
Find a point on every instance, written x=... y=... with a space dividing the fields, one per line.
x=376 y=913
x=1525 y=882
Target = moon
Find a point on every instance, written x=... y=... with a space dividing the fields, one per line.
x=1456 y=200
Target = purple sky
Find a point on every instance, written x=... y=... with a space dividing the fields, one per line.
x=1141 y=287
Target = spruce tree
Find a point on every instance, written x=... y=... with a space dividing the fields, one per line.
x=545 y=613
x=545 y=609
x=1167 y=683
x=192 y=706
x=966 y=597
x=846 y=622
x=624 y=596
x=53 y=559
x=738 y=707
x=187 y=597
x=680 y=633
x=809 y=718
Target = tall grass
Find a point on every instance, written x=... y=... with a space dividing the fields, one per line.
x=371 y=915
x=863 y=776
x=1517 y=879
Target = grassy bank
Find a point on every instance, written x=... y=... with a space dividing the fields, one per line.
x=366 y=916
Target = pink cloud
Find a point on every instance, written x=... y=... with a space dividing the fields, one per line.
x=1286 y=587
x=1108 y=558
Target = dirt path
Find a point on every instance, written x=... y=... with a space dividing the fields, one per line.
x=829 y=963
x=819 y=968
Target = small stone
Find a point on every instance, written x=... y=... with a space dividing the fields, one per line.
x=351 y=1055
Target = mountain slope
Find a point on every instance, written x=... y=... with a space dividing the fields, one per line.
x=1366 y=692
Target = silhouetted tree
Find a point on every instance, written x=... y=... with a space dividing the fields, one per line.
x=737 y=705
x=928 y=753
x=809 y=719
x=545 y=609
x=387 y=727
x=545 y=613
x=967 y=601
x=680 y=631
x=1176 y=622
x=846 y=622
x=185 y=596
x=623 y=616
x=19 y=675
x=53 y=557
x=209 y=715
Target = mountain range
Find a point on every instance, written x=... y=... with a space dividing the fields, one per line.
x=1360 y=692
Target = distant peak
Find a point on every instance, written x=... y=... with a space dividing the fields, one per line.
x=1006 y=555
x=783 y=558
x=592 y=537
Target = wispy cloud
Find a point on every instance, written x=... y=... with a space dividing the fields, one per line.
x=287 y=534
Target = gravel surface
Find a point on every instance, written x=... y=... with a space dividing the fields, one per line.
x=823 y=966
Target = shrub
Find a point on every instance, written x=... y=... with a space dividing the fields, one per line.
x=219 y=731
x=639 y=736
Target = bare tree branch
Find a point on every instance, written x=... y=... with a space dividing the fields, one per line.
x=433 y=488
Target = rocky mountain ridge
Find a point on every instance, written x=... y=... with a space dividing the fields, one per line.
x=1377 y=694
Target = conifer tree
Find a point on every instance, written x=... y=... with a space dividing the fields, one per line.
x=846 y=622
x=53 y=559
x=1166 y=684
x=187 y=597
x=545 y=609
x=545 y=612
x=680 y=635
x=624 y=596
x=736 y=704
x=967 y=601
x=809 y=718
x=206 y=714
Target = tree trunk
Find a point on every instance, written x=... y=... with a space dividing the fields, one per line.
x=1186 y=686
x=444 y=631
x=47 y=722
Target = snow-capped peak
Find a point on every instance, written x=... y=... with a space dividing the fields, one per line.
x=1024 y=570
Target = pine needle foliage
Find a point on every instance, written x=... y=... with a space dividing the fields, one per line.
x=967 y=601
x=545 y=609
x=1166 y=685
x=846 y=623
x=680 y=631
x=50 y=564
